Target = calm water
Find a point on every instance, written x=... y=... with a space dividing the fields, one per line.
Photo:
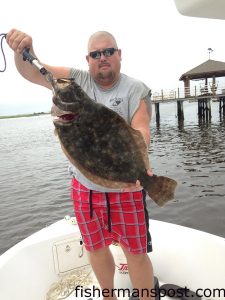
x=34 y=183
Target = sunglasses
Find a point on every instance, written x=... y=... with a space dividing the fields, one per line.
x=106 y=52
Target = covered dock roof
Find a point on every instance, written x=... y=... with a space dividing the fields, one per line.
x=208 y=69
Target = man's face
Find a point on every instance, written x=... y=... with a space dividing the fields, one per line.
x=105 y=70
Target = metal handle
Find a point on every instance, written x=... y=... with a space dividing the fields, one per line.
x=33 y=60
x=27 y=56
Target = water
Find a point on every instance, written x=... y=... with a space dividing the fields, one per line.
x=34 y=182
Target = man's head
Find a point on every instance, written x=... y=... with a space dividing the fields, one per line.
x=104 y=58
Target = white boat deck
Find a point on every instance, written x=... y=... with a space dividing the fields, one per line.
x=82 y=284
x=91 y=292
x=85 y=294
x=182 y=256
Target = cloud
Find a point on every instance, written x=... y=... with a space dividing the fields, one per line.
x=158 y=43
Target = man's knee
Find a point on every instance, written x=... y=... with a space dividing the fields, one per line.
x=136 y=258
x=101 y=252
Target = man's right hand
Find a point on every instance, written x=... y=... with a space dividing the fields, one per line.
x=18 y=40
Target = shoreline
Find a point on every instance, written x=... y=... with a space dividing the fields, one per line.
x=24 y=115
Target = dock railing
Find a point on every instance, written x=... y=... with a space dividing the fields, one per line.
x=194 y=93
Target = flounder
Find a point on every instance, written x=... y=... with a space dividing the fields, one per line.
x=101 y=144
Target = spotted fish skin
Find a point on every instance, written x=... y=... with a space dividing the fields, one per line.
x=101 y=144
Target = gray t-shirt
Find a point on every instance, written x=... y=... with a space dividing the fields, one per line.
x=124 y=98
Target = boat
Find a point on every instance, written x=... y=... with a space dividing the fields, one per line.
x=52 y=264
x=201 y=9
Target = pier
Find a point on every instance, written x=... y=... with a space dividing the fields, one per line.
x=202 y=96
x=206 y=91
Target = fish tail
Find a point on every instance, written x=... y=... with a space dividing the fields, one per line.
x=159 y=188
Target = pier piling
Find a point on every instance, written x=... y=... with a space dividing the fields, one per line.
x=157 y=113
x=204 y=108
x=222 y=106
x=180 y=110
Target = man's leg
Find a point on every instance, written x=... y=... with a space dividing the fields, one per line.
x=103 y=265
x=141 y=273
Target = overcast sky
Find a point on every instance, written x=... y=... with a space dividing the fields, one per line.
x=158 y=44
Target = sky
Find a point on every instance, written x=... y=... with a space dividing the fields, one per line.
x=158 y=44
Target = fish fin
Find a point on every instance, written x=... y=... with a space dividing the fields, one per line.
x=159 y=188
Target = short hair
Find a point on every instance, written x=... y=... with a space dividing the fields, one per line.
x=101 y=34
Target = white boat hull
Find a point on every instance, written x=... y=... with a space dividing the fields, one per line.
x=182 y=256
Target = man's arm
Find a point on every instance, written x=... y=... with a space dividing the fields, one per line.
x=141 y=121
x=18 y=40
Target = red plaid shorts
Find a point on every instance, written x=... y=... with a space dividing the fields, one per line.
x=106 y=217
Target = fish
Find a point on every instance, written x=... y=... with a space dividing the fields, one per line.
x=102 y=145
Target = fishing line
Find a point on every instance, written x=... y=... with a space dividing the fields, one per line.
x=2 y=36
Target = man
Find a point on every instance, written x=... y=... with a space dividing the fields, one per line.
x=128 y=218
